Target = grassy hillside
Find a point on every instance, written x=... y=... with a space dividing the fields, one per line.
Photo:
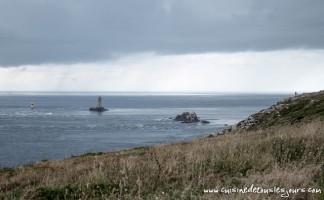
x=281 y=147
x=305 y=107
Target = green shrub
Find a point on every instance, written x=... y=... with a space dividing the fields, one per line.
x=288 y=149
x=233 y=168
x=57 y=193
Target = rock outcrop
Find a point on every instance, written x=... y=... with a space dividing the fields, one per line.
x=98 y=109
x=187 y=117
x=292 y=110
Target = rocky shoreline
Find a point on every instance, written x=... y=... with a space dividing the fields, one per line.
x=289 y=111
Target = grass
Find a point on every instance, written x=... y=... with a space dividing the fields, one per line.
x=306 y=108
x=286 y=156
x=289 y=155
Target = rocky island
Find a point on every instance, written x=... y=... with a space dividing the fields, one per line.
x=187 y=117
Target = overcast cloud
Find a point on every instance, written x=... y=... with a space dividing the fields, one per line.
x=271 y=71
x=74 y=31
x=162 y=45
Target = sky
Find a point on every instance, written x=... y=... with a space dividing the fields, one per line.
x=162 y=45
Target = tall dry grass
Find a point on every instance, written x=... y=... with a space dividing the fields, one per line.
x=287 y=156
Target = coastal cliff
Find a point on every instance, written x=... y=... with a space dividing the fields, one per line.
x=281 y=146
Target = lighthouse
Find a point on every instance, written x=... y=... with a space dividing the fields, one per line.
x=99 y=102
x=99 y=107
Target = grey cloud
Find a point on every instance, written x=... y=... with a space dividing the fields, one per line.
x=37 y=31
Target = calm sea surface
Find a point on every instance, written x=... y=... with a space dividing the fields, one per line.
x=61 y=125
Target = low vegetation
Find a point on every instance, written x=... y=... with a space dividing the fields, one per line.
x=302 y=108
x=282 y=155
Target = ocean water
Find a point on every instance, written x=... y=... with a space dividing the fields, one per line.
x=61 y=125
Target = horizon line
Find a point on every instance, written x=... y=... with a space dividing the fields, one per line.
x=152 y=92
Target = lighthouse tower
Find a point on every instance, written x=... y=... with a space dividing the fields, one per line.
x=99 y=107
x=99 y=102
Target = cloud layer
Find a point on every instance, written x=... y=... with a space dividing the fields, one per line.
x=38 y=32
x=272 y=71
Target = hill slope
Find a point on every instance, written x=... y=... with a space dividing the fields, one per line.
x=301 y=108
x=278 y=147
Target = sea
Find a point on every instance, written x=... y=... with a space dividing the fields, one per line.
x=61 y=125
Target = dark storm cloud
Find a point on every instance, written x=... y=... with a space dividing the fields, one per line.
x=52 y=31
